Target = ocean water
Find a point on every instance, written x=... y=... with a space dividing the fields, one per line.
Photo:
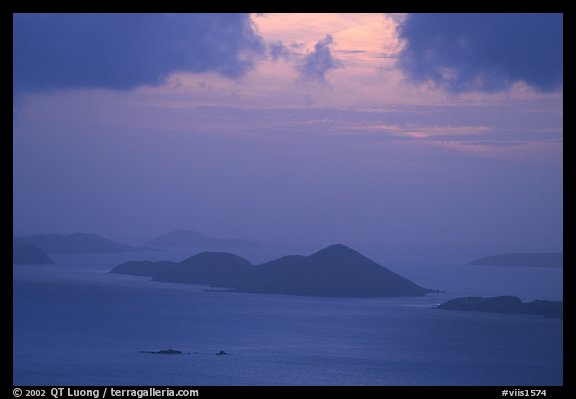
x=76 y=324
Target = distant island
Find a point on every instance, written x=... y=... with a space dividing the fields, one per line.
x=29 y=254
x=535 y=259
x=189 y=238
x=75 y=243
x=164 y=352
x=505 y=304
x=336 y=271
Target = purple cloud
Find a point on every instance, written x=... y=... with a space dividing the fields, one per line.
x=483 y=52
x=319 y=62
x=124 y=51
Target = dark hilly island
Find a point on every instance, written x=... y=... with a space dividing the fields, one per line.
x=75 y=243
x=190 y=239
x=505 y=304
x=29 y=254
x=535 y=259
x=218 y=269
x=336 y=271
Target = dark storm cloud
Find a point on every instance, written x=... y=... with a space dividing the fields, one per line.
x=123 y=51
x=317 y=63
x=483 y=52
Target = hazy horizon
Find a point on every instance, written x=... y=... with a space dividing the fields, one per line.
x=415 y=135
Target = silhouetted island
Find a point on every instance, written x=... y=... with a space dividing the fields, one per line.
x=75 y=243
x=335 y=271
x=535 y=259
x=29 y=254
x=164 y=352
x=505 y=304
x=188 y=238
x=219 y=269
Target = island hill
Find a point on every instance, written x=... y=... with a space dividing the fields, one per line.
x=336 y=271
x=78 y=243
x=534 y=259
x=75 y=243
x=29 y=254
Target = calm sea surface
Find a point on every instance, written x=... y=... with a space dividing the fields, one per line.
x=76 y=324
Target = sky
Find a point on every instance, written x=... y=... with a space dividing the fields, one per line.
x=416 y=135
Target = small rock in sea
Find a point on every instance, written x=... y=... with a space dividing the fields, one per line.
x=169 y=352
x=222 y=353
